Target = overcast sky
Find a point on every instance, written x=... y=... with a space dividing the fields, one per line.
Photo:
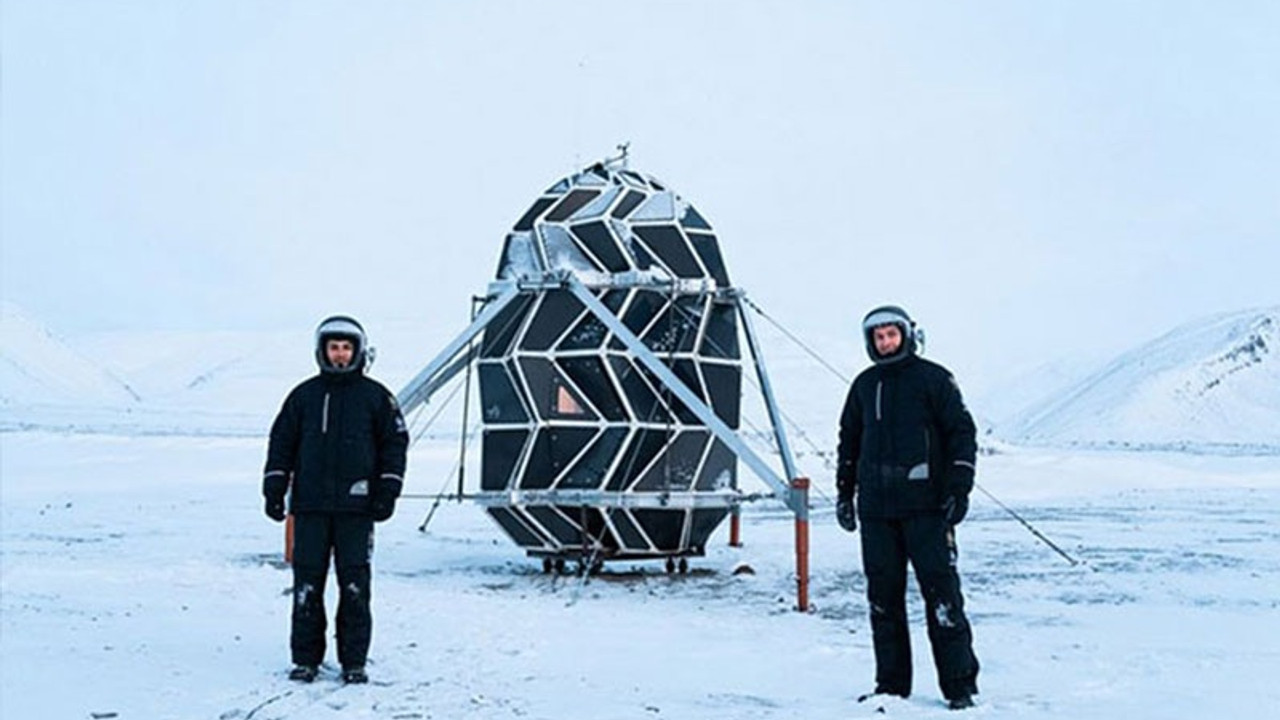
x=1033 y=180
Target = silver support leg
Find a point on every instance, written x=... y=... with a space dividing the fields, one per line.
x=419 y=389
x=766 y=389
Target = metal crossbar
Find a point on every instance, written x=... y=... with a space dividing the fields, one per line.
x=695 y=404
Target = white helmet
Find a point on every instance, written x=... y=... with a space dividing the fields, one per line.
x=342 y=327
x=891 y=315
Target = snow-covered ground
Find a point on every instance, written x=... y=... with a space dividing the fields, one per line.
x=140 y=580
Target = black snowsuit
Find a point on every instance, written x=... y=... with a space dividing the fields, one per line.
x=342 y=440
x=906 y=444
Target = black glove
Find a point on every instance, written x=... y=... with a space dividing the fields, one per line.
x=955 y=507
x=847 y=514
x=275 y=507
x=955 y=503
x=382 y=507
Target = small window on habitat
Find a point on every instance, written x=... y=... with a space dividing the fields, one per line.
x=566 y=403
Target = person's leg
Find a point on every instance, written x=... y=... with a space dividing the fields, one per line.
x=354 y=544
x=931 y=545
x=312 y=543
x=884 y=561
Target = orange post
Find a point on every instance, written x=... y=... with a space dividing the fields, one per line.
x=288 y=525
x=735 y=528
x=800 y=489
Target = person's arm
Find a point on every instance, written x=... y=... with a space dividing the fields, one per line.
x=393 y=448
x=282 y=453
x=959 y=438
x=847 y=453
x=850 y=445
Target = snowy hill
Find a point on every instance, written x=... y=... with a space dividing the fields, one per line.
x=38 y=367
x=134 y=383
x=1208 y=386
x=241 y=371
x=223 y=383
x=249 y=371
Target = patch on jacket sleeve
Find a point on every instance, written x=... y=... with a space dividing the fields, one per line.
x=395 y=410
x=360 y=487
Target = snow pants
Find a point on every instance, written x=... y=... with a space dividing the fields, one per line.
x=928 y=542
x=349 y=539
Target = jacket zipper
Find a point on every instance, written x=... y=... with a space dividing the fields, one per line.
x=324 y=419
x=879 y=387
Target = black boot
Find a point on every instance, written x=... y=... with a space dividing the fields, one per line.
x=354 y=675
x=882 y=691
x=960 y=702
x=304 y=673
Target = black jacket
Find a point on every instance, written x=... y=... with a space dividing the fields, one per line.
x=343 y=440
x=906 y=440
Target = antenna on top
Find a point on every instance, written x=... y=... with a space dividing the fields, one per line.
x=621 y=158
